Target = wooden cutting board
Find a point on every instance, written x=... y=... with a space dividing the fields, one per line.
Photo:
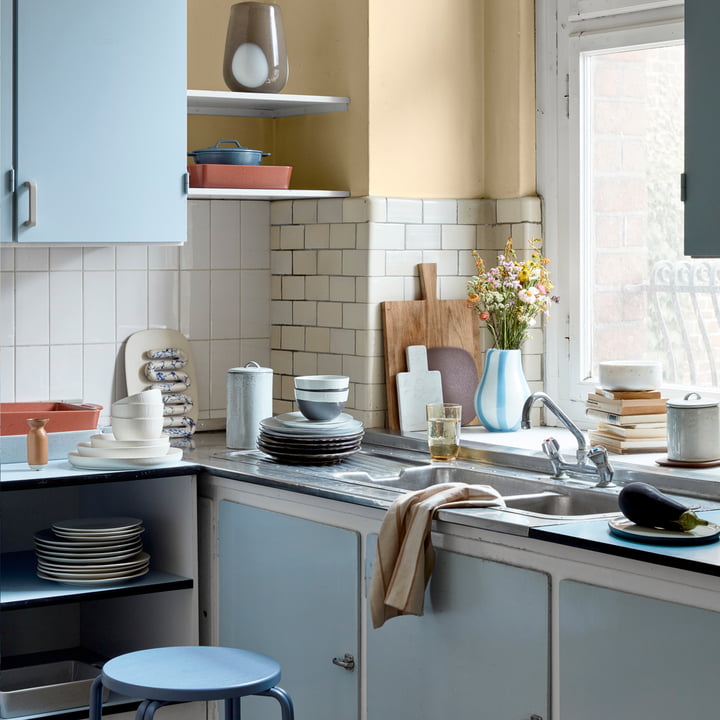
x=428 y=321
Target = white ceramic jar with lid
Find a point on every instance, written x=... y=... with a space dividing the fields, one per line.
x=693 y=429
x=249 y=400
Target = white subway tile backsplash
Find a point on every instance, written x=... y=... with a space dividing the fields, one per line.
x=404 y=210
x=98 y=374
x=281 y=212
x=317 y=340
x=66 y=317
x=459 y=237
x=515 y=210
x=281 y=313
x=32 y=258
x=330 y=364
x=224 y=304
x=163 y=294
x=281 y=362
x=255 y=304
x=224 y=354
x=131 y=257
x=423 y=237
x=66 y=258
x=341 y=341
x=7 y=374
x=446 y=260
x=224 y=235
x=355 y=210
x=252 y=350
x=402 y=263
x=32 y=308
x=98 y=258
x=304 y=212
x=304 y=312
x=7 y=309
x=304 y=262
x=292 y=237
x=281 y=262
x=386 y=236
x=293 y=288
x=305 y=363
x=131 y=294
x=292 y=338
x=329 y=262
x=66 y=372
x=317 y=236
x=98 y=311
x=342 y=289
x=195 y=253
x=377 y=289
x=476 y=212
x=163 y=257
x=330 y=314
x=330 y=210
x=201 y=356
x=317 y=287
x=440 y=211
x=342 y=236
x=32 y=373
x=194 y=306
x=369 y=343
x=254 y=240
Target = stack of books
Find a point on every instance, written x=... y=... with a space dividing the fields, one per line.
x=628 y=420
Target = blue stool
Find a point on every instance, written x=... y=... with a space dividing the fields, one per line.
x=160 y=676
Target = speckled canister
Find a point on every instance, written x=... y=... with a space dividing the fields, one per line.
x=249 y=400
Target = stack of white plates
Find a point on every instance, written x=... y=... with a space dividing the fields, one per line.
x=292 y=438
x=91 y=550
x=105 y=452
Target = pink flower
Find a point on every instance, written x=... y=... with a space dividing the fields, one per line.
x=484 y=315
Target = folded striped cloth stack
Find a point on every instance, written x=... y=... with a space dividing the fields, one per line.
x=165 y=372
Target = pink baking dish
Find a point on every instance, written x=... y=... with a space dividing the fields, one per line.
x=249 y=177
x=63 y=416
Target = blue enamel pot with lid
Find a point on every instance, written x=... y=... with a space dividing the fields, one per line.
x=236 y=155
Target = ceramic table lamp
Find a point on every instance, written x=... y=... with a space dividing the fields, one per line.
x=255 y=53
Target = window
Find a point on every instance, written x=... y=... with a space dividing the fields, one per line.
x=610 y=158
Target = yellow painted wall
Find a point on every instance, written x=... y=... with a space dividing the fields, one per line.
x=442 y=95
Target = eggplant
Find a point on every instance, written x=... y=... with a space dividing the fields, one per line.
x=645 y=505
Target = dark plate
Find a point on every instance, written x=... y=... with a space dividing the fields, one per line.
x=323 y=459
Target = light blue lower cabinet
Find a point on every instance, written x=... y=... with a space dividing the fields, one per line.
x=289 y=588
x=479 y=651
x=628 y=656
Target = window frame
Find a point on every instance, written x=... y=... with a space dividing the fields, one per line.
x=564 y=30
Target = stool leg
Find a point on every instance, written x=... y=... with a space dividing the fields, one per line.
x=96 y=690
x=232 y=709
x=148 y=712
x=284 y=699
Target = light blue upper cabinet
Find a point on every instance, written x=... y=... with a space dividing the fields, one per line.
x=702 y=105
x=100 y=121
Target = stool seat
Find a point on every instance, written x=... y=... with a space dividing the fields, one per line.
x=159 y=676
x=184 y=674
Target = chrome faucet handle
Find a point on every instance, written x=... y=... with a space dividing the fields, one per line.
x=551 y=447
x=598 y=455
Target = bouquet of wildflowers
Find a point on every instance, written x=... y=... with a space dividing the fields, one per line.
x=509 y=297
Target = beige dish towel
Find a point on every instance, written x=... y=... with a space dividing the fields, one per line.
x=405 y=555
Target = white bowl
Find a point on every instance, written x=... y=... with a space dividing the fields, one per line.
x=131 y=410
x=145 y=396
x=138 y=451
x=108 y=440
x=322 y=382
x=322 y=396
x=137 y=428
x=630 y=374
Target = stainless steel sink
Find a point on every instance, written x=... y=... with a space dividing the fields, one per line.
x=524 y=493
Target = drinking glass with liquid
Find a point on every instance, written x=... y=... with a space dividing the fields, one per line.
x=443 y=430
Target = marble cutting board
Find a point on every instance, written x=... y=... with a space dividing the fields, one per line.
x=416 y=388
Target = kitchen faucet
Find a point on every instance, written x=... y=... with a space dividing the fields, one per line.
x=599 y=465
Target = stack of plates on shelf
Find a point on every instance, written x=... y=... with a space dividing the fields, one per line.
x=91 y=550
x=104 y=452
x=292 y=438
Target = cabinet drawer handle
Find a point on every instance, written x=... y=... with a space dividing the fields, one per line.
x=347 y=661
x=32 y=203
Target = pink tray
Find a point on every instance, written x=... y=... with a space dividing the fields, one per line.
x=63 y=416
x=254 y=177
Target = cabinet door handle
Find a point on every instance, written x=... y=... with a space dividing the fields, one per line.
x=347 y=661
x=32 y=203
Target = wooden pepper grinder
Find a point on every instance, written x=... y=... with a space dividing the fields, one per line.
x=37 y=443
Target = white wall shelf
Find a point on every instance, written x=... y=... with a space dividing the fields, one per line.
x=267 y=105
x=252 y=194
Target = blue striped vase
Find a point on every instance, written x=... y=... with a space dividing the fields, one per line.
x=502 y=391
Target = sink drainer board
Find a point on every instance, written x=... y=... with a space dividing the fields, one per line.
x=46 y=688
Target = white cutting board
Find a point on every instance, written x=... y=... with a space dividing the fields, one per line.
x=135 y=360
x=416 y=388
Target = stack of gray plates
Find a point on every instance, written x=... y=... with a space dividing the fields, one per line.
x=91 y=550
x=292 y=438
